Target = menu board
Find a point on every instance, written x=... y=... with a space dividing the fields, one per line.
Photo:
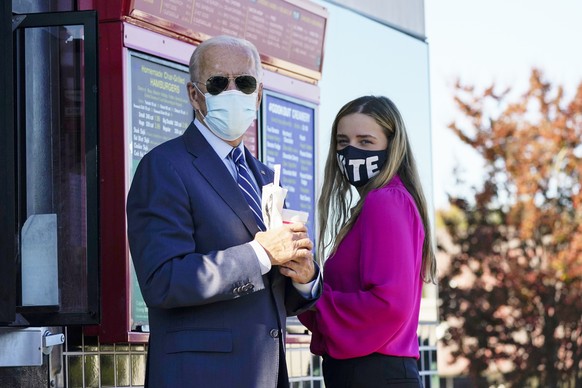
x=289 y=130
x=280 y=29
x=160 y=110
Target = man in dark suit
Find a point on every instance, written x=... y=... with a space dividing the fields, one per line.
x=218 y=289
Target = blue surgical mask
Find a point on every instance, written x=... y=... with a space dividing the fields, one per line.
x=230 y=113
x=358 y=165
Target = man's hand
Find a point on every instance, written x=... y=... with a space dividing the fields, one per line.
x=300 y=270
x=289 y=246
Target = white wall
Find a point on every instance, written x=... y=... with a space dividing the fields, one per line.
x=407 y=15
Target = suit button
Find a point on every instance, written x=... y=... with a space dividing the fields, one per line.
x=274 y=333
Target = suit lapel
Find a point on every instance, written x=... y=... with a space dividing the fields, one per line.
x=213 y=170
x=261 y=173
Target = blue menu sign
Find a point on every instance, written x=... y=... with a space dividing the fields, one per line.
x=288 y=130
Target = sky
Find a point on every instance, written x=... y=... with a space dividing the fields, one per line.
x=482 y=42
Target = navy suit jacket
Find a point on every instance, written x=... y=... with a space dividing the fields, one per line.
x=214 y=320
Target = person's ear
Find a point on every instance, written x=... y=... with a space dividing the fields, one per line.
x=194 y=96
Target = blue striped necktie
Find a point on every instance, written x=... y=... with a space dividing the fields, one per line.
x=245 y=183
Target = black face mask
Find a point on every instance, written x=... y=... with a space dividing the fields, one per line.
x=359 y=166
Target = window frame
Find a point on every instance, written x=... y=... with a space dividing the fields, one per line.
x=14 y=195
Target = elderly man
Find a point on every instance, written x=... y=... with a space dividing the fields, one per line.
x=217 y=284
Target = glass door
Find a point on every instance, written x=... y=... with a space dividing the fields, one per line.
x=56 y=174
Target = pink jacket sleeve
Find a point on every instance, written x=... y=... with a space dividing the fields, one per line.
x=360 y=323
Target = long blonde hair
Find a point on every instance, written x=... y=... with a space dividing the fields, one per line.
x=336 y=216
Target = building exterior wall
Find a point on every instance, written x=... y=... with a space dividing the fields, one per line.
x=371 y=47
x=405 y=15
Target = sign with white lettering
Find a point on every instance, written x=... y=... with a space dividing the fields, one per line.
x=160 y=109
x=288 y=133
x=288 y=33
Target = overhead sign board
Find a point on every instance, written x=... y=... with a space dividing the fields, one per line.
x=288 y=34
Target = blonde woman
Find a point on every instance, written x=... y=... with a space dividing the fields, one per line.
x=364 y=325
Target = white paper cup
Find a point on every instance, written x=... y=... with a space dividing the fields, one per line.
x=289 y=216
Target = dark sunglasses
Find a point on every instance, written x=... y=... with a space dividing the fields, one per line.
x=218 y=84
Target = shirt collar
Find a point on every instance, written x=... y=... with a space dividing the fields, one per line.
x=219 y=146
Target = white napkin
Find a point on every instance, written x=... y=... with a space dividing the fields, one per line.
x=272 y=201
